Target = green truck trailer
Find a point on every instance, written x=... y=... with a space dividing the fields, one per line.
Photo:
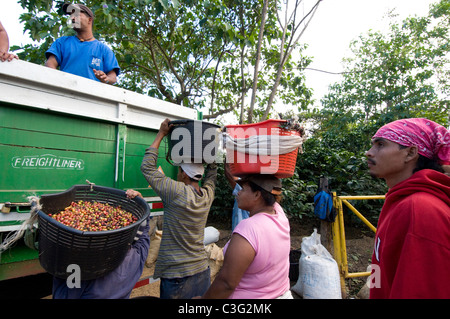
x=58 y=130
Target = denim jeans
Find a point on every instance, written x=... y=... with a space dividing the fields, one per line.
x=186 y=287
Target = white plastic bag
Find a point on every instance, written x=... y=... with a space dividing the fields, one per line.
x=211 y=235
x=318 y=272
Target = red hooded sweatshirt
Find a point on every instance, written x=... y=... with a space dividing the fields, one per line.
x=411 y=256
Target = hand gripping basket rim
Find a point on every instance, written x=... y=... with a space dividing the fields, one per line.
x=96 y=253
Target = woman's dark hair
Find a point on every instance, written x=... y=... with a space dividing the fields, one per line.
x=426 y=163
x=268 y=198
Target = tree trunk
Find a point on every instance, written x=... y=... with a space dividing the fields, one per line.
x=285 y=55
x=258 y=57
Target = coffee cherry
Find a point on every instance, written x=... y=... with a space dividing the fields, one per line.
x=94 y=216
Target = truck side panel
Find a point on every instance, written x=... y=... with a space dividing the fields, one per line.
x=44 y=152
x=58 y=130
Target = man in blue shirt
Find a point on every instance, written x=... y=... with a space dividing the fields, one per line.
x=82 y=54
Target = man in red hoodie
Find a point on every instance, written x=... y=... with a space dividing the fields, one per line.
x=411 y=257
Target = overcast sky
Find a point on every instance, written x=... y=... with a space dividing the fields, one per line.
x=334 y=26
x=338 y=22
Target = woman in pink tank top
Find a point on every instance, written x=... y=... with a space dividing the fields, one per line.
x=256 y=259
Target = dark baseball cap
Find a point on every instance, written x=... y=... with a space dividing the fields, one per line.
x=267 y=182
x=68 y=9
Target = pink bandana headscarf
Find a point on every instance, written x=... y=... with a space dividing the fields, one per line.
x=432 y=139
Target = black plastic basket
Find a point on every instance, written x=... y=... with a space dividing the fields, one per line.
x=200 y=141
x=96 y=253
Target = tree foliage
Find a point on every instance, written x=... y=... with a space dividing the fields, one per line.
x=200 y=54
x=403 y=73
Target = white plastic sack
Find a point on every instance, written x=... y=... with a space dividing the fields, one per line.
x=264 y=144
x=318 y=271
x=211 y=235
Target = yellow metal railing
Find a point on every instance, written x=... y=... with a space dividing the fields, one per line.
x=338 y=231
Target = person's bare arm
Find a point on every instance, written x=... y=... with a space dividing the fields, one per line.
x=164 y=130
x=4 y=46
x=231 y=179
x=51 y=62
x=109 y=78
x=239 y=256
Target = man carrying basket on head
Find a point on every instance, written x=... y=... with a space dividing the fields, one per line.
x=182 y=264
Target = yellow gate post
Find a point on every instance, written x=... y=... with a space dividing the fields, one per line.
x=340 y=247
x=337 y=240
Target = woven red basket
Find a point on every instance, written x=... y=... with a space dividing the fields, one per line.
x=241 y=164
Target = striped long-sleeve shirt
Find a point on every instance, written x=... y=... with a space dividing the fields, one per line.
x=182 y=251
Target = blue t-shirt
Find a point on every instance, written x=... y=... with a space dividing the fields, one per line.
x=80 y=58
x=238 y=214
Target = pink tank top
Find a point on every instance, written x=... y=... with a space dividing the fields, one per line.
x=268 y=275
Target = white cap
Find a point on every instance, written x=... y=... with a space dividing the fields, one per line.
x=193 y=170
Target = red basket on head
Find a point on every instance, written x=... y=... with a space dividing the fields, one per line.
x=242 y=163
